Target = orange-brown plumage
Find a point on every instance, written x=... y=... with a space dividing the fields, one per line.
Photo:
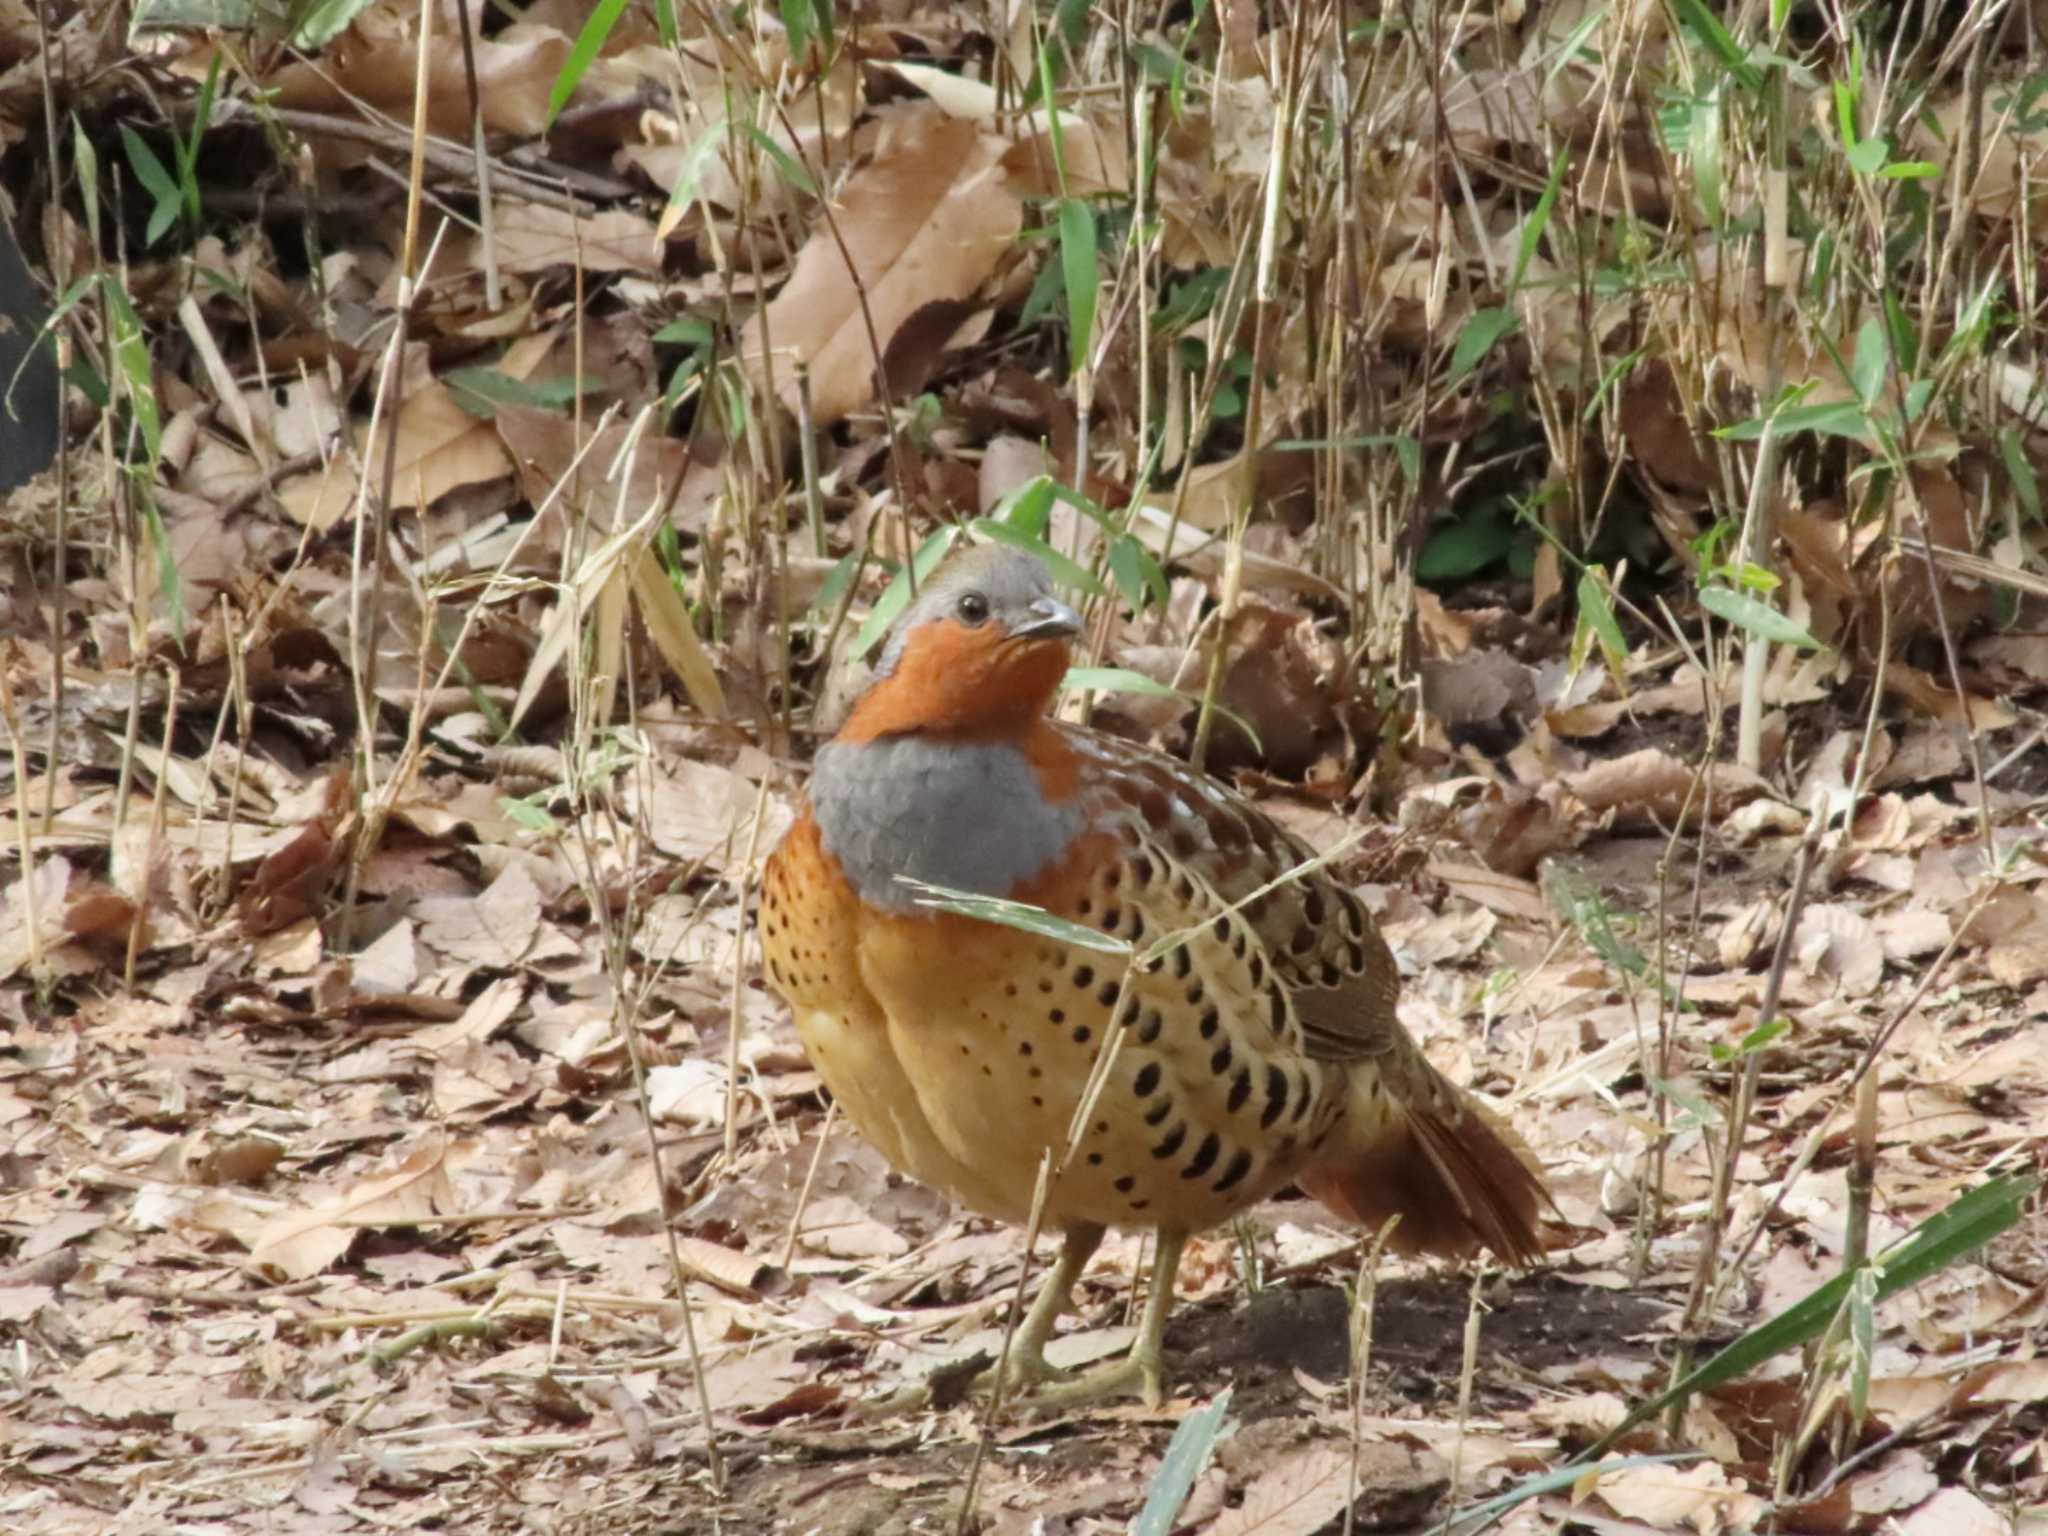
x=1255 y=1037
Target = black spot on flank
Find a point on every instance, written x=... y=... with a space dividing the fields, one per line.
x=1219 y=1060
x=1196 y=991
x=1222 y=927
x=1138 y=932
x=1211 y=1022
x=1240 y=1090
x=1113 y=879
x=1276 y=1097
x=1094 y=1159
x=987 y=1071
x=1057 y=1016
x=1009 y=989
x=1084 y=975
x=1313 y=908
x=1037 y=1073
x=1112 y=919
x=1102 y=1127
x=1139 y=1205
x=1146 y=1080
x=1303 y=941
x=1354 y=913
x=1258 y=970
x=1301 y=1104
x=1276 y=1010
x=1126 y=1184
x=1184 y=890
x=1238 y=944
x=1141 y=870
x=1080 y=1034
x=1354 y=956
x=1106 y=993
x=1037 y=1102
x=1149 y=1030
x=1330 y=974
x=1045 y=984
x=1084 y=908
x=1204 y=1158
x=1129 y=1012
x=1183 y=962
x=1240 y=1165
x=1173 y=1141
x=1159 y=1111
x=964 y=1051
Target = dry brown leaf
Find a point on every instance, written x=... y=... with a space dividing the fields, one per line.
x=1839 y=943
x=527 y=237
x=439 y=448
x=303 y=1242
x=377 y=63
x=2013 y=928
x=1301 y=1492
x=1653 y=786
x=1702 y=1497
x=925 y=221
x=698 y=812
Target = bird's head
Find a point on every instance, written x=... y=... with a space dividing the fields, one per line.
x=977 y=656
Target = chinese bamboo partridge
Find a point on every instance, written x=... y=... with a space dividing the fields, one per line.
x=1251 y=1023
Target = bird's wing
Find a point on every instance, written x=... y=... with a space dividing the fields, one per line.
x=1317 y=938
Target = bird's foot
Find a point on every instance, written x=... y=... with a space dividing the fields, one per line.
x=1027 y=1379
x=1133 y=1376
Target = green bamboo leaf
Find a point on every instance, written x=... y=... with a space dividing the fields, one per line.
x=1137 y=571
x=691 y=171
x=1064 y=571
x=582 y=54
x=792 y=169
x=1967 y=1224
x=131 y=366
x=1187 y=1453
x=324 y=21
x=1028 y=508
x=1843 y=418
x=1755 y=617
x=1123 y=680
x=896 y=596
x=1020 y=915
x=157 y=181
x=1596 y=618
x=1538 y=220
x=1720 y=41
x=1478 y=1517
x=1481 y=331
x=168 y=578
x=1079 y=266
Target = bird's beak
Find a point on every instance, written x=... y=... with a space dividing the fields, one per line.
x=1050 y=619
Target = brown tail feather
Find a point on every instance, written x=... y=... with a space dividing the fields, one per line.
x=1458 y=1176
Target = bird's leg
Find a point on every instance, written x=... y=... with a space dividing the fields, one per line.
x=1023 y=1366
x=1143 y=1371
x=1024 y=1363
x=1148 y=1354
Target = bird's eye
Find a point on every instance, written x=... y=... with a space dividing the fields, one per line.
x=972 y=608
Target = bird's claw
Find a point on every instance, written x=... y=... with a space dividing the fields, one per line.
x=1029 y=1381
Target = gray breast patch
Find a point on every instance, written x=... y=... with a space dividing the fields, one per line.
x=971 y=817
